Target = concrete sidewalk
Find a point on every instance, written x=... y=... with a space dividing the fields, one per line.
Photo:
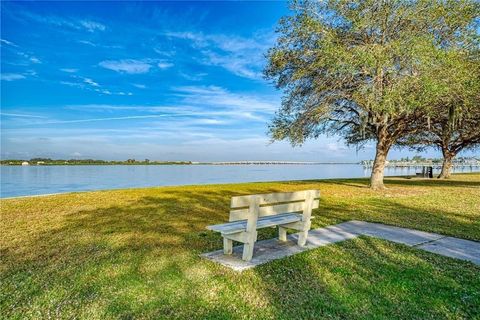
x=272 y=249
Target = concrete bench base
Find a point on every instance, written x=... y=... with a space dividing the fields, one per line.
x=272 y=249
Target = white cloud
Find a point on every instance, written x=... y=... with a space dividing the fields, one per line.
x=102 y=119
x=21 y=115
x=12 y=76
x=8 y=42
x=69 y=70
x=238 y=65
x=156 y=143
x=89 y=43
x=210 y=121
x=35 y=60
x=197 y=38
x=26 y=58
x=134 y=66
x=92 y=26
x=163 y=52
x=140 y=86
x=65 y=22
x=336 y=147
x=130 y=66
x=194 y=76
x=91 y=82
x=73 y=84
x=240 y=56
x=164 y=65
x=98 y=45
x=204 y=101
x=217 y=96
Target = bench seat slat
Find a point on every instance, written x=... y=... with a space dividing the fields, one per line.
x=263 y=222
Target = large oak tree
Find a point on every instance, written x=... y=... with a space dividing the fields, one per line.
x=452 y=123
x=353 y=68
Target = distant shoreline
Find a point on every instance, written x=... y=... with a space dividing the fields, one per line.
x=176 y=164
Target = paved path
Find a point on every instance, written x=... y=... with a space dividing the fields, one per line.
x=272 y=249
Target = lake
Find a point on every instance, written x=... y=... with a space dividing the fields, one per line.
x=37 y=180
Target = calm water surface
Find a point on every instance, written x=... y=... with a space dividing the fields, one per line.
x=36 y=180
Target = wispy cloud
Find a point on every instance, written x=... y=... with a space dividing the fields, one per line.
x=99 y=45
x=240 y=56
x=218 y=96
x=130 y=66
x=28 y=58
x=140 y=86
x=164 y=65
x=12 y=76
x=90 y=84
x=135 y=66
x=34 y=59
x=104 y=119
x=202 y=101
x=8 y=43
x=22 y=57
x=64 y=22
x=239 y=65
x=21 y=115
x=193 y=76
x=69 y=70
x=92 y=26
x=88 y=43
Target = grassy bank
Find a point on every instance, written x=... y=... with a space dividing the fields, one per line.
x=134 y=254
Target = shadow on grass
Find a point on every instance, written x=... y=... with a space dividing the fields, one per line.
x=408 y=181
x=434 y=182
x=140 y=260
x=390 y=211
x=368 y=278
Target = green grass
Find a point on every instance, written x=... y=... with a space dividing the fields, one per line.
x=134 y=254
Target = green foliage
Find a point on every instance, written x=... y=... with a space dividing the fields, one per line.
x=364 y=69
x=453 y=119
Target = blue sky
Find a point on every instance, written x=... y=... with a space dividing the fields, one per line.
x=165 y=81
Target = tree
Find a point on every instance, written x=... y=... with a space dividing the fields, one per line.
x=352 y=68
x=452 y=123
x=451 y=137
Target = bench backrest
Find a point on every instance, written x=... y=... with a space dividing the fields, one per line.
x=273 y=204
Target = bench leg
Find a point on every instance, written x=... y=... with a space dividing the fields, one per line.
x=227 y=246
x=302 y=238
x=248 y=251
x=282 y=234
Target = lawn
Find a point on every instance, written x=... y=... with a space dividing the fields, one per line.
x=135 y=254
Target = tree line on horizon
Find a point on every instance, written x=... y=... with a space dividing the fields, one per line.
x=400 y=73
x=49 y=161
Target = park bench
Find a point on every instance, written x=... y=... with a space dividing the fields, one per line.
x=290 y=210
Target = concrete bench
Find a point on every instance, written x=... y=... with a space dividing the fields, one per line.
x=290 y=210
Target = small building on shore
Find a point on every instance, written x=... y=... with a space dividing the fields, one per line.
x=25 y=163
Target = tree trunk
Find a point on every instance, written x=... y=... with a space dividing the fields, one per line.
x=447 y=164
x=376 y=178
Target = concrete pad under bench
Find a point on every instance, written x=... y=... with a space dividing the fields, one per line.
x=273 y=249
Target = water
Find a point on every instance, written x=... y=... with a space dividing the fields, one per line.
x=37 y=180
